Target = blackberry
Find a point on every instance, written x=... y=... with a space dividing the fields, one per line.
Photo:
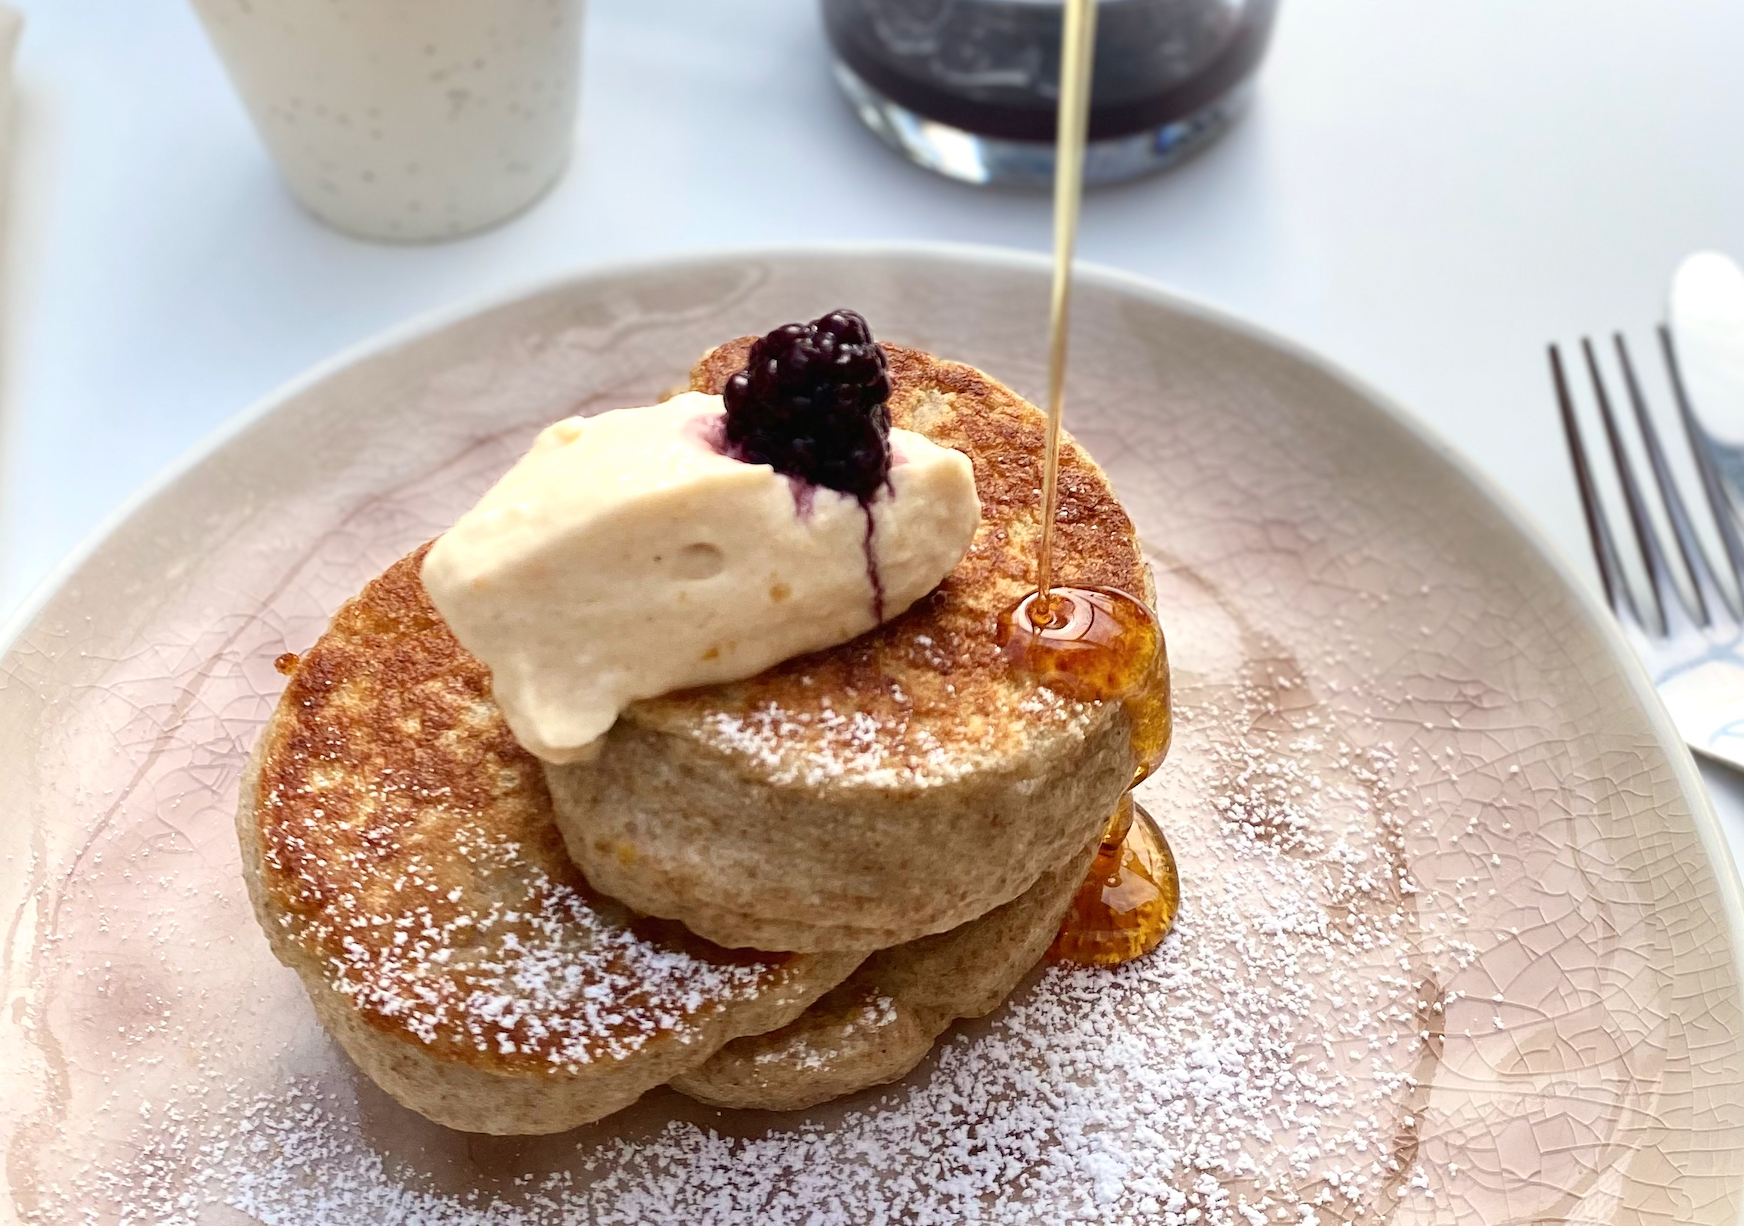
x=810 y=402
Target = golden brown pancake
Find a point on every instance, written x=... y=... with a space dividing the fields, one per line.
x=898 y=785
x=883 y=1019
x=401 y=855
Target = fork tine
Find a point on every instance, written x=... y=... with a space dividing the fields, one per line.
x=1703 y=584
x=1652 y=556
x=1617 y=593
x=1701 y=447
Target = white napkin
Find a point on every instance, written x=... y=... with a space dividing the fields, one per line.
x=11 y=25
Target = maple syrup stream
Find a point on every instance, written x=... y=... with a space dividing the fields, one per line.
x=1095 y=644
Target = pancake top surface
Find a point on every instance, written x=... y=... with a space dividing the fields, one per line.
x=408 y=849
x=927 y=697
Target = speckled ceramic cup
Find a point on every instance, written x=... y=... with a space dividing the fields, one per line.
x=407 y=120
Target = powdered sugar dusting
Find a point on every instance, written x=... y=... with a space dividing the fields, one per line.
x=545 y=974
x=872 y=1012
x=828 y=745
x=409 y=858
x=1266 y=1065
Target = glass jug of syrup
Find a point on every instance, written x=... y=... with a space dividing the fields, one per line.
x=969 y=88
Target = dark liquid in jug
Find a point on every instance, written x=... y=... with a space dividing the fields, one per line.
x=992 y=67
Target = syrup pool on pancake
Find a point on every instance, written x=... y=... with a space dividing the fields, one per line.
x=1102 y=645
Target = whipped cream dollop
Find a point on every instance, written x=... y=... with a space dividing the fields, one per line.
x=625 y=556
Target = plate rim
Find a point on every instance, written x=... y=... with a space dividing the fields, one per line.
x=1704 y=817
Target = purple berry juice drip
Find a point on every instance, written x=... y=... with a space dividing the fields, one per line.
x=804 y=496
x=872 y=575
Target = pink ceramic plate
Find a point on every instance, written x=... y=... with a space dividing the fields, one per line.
x=1459 y=941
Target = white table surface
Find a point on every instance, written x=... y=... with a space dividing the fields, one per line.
x=1427 y=194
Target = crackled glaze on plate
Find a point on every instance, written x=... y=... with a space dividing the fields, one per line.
x=1420 y=796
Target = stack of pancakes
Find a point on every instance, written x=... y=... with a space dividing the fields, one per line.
x=767 y=894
